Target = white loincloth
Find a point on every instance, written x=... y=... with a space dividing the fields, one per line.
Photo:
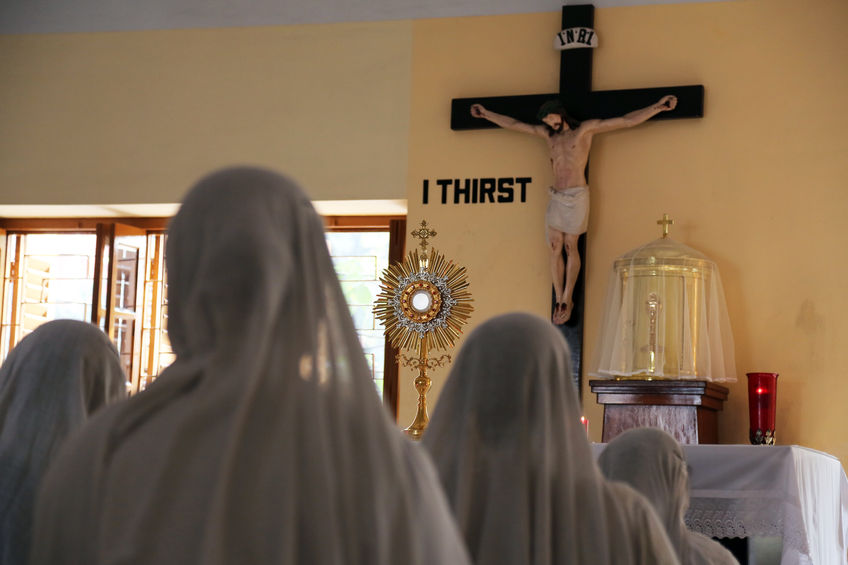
x=568 y=210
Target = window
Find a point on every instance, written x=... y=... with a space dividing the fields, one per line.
x=113 y=274
x=104 y=272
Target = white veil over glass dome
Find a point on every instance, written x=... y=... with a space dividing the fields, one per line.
x=665 y=317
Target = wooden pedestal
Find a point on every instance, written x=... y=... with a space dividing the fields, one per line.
x=688 y=410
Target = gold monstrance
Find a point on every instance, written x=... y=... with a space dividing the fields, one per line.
x=423 y=304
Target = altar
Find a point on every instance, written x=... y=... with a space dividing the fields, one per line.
x=791 y=492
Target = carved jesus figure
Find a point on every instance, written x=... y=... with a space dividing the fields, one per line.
x=567 y=215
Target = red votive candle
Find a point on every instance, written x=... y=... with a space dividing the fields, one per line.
x=762 y=401
x=585 y=422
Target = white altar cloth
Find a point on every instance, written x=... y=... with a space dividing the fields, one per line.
x=792 y=492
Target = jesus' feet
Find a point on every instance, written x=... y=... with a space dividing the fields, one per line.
x=566 y=314
x=562 y=313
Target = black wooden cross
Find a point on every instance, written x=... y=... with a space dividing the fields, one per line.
x=576 y=94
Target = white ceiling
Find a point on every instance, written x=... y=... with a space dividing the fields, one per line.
x=59 y=16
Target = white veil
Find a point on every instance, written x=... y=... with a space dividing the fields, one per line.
x=49 y=384
x=516 y=464
x=265 y=441
x=652 y=462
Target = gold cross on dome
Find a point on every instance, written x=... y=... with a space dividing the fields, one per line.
x=423 y=233
x=665 y=222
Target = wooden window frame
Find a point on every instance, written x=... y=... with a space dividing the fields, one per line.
x=58 y=225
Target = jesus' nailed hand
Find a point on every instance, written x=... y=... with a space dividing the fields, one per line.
x=569 y=142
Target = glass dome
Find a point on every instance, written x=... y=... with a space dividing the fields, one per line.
x=665 y=317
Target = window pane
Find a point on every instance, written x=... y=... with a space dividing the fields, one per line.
x=363 y=318
x=355 y=268
x=68 y=266
x=360 y=293
x=55 y=244
x=63 y=291
x=359 y=259
x=52 y=279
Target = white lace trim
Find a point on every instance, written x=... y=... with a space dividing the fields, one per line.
x=740 y=518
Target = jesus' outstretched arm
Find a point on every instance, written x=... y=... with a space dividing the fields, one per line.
x=506 y=122
x=634 y=118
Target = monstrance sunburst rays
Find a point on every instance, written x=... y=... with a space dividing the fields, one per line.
x=423 y=302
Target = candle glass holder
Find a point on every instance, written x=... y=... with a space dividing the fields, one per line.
x=762 y=401
x=585 y=423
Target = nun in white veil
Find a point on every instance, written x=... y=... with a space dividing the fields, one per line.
x=515 y=462
x=265 y=441
x=49 y=384
x=652 y=462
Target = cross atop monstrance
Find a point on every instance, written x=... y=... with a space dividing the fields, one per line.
x=665 y=222
x=423 y=233
x=576 y=97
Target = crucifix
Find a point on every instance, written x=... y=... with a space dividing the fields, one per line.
x=582 y=103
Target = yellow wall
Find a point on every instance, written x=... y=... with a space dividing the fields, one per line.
x=362 y=111
x=137 y=117
x=760 y=184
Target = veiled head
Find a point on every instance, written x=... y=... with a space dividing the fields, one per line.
x=651 y=461
x=65 y=364
x=511 y=385
x=231 y=253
